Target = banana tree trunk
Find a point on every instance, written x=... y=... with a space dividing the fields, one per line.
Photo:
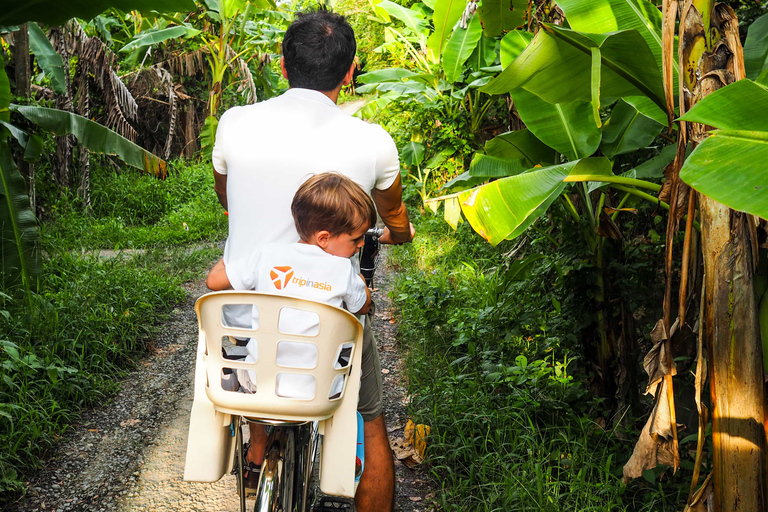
x=21 y=60
x=711 y=54
x=736 y=374
x=23 y=75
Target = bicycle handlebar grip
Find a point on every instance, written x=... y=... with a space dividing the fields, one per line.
x=368 y=255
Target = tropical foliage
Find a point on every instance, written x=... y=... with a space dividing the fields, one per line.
x=594 y=87
x=567 y=134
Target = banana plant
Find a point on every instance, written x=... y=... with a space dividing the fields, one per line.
x=222 y=53
x=20 y=239
x=452 y=57
x=56 y=12
x=563 y=83
x=729 y=166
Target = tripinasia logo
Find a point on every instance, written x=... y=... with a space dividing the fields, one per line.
x=283 y=276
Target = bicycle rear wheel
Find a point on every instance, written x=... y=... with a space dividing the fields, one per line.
x=286 y=473
x=239 y=461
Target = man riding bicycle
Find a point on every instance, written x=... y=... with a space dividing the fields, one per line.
x=263 y=153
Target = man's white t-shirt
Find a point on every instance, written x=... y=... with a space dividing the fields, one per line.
x=268 y=149
x=297 y=270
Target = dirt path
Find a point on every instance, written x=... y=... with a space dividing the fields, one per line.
x=129 y=454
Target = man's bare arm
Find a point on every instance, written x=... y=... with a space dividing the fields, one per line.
x=220 y=187
x=391 y=208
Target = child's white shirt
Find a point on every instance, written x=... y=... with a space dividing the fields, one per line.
x=296 y=270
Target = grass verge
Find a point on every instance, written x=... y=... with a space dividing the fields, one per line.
x=492 y=370
x=92 y=317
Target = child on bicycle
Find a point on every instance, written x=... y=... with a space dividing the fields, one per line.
x=332 y=214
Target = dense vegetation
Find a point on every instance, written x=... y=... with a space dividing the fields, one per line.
x=552 y=129
x=495 y=368
x=97 y=311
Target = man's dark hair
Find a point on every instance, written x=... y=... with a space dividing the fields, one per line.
x=319 y=47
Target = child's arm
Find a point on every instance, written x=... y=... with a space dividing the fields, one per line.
x=367 y=306
x=217 y=277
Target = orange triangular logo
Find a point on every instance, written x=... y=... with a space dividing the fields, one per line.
x=281 y=276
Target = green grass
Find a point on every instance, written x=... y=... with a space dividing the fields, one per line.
x=136 y=210
x=493 y=371
x=92 y=316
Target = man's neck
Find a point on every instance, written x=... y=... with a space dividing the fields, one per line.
x=333 y=95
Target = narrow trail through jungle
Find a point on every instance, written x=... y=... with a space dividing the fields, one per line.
x=129 y=454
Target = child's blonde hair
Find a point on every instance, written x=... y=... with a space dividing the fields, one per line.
x=331 y=202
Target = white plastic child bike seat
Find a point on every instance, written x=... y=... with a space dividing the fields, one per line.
x=336 y=351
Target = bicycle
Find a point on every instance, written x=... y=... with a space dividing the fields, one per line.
x=215 y=445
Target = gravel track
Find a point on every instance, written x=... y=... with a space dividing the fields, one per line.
x=128 y=455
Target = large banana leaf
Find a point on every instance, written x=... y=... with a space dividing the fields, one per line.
x=459 y=47
x=502 y=15
x=604 y=16
x=557 y=66
x=93 y=136
x=756 y=47
x=5 y=92
x=47 y=58
x=18 y=226
x=730 y=165
x=385 y=75
x=506 y=207
x=56 y=12
x=412 y=154
x=520 y=144
x=567 y=127
x=742 y=105
x=648 y=108
x=447 y=13
x=513 y=45
x=484 y=54
x=414 y=20
x=151 y=37
x=486 y=166
x=627 y=130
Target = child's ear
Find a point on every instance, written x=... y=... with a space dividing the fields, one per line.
x=322 y=237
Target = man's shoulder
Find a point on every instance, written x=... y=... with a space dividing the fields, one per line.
x=364 y=129
x=240 y=111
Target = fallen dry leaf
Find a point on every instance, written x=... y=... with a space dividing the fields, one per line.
x=130 y=423
x=415 y=498
x=416 y=435
x=384 y=371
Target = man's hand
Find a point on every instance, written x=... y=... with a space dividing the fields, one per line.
x=386 y=236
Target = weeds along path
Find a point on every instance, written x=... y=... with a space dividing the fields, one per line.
x=129 y=454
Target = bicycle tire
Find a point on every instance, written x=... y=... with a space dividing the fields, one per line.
x=239 y=463
x=285 y=480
